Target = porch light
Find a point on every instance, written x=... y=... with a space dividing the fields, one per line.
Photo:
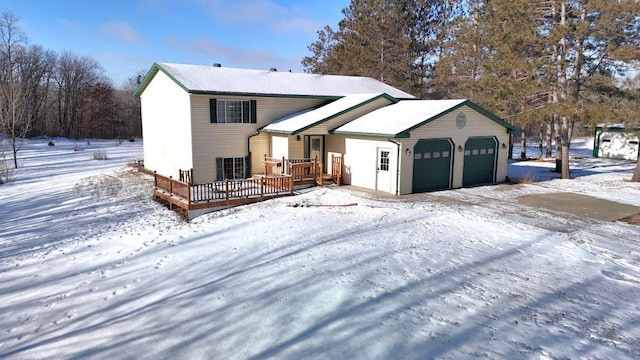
x=504 y=146
x=407 y=151
x=297 y=137
x=460 y=148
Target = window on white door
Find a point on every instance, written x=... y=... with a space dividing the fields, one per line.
x=384 y=161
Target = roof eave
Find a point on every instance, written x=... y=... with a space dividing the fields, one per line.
x=253 y=94
x=356 y=106
x=149 y=76
x=510 y=128
x=376 y=135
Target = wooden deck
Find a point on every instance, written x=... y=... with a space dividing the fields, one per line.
x=281 y=175
x=191 y=197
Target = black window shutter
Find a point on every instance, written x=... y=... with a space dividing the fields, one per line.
x=219 y=169
x=213 y=110
x=253 y=112
x=247 y=167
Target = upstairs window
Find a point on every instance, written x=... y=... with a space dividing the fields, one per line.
x=232 y=111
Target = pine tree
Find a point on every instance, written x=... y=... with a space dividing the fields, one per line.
x=389 y=40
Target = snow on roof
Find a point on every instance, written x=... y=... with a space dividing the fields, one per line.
x=303 y=120
x=397 y=118
x=212 y=79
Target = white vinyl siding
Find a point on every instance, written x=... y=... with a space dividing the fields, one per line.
x=166 y=127
x=211 y=141
x=259 y=147
x=360 y=162
x=445 y=127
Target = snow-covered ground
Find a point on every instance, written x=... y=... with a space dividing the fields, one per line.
x=92 y=267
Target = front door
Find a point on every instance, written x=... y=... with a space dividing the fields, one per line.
x=383 y=174
x=315 y=148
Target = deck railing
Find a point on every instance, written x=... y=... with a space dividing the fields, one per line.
x=268 y=186
x=336 y=168
x=301 y=169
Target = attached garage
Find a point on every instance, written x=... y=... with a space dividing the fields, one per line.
x=441 y=144
x=432 y=164
x=480 y=160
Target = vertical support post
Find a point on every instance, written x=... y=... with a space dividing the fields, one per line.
x=155 y=180
x=226 y=190
x=189 y=194
x=291 y=185
x=262 y=182
x=282 y=167
x=170 y=185
x=340 y=169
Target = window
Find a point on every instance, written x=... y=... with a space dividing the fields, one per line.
x=232 y=168
x=384 y=161
x=232 y=111
x=315 y=144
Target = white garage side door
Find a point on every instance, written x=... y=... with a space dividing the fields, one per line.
x=383 y=171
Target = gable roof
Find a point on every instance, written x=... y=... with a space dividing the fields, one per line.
x=399 y=119
x=200 y=79
x=302 y=121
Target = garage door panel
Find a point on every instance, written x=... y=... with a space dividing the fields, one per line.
x=432 y=165
x=479 y=161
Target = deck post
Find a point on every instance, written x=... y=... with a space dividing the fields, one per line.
x=262 y=183
x=340 y=169
x=189 y=194
x=155 y=180
x=226 y=190
x=191 y=178
x=282 y=167
x=291 y=185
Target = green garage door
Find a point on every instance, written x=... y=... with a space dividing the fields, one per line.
x=432 y=165
x=480 y=156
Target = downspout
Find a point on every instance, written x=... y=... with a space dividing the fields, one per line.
x=397 y=165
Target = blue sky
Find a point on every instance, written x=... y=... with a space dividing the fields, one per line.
x=126 y=36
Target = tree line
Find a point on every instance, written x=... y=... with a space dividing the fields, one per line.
x=547 y=66
x=51 y=94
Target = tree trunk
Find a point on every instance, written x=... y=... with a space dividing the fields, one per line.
x=558 y=138
x=541 y=141
x=523 y=145
x=565 y=141
x=549 y=138
x=566 y=174
x=510 y=155
x=636 y=174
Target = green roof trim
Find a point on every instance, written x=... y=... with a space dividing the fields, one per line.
x=402 y=135
x=381 y=96
x=149 y=76
x=510 y=128
x=157 y=67
x=305 y=128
